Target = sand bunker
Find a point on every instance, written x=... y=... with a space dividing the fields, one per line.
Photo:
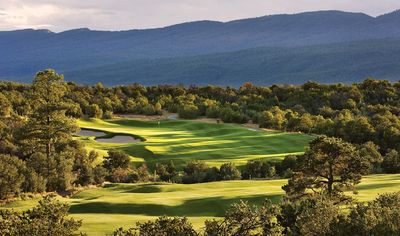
x=102 y=137
x=252 y=129
x=119 y=139
x=90 y=133
x=173 y=117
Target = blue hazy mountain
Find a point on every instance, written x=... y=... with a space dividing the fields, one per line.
x=269 y=49
x=332 y=63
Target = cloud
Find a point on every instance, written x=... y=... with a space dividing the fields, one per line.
x=58 y=15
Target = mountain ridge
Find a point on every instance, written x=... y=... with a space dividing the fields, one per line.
x=208 y=21
x=27 y=51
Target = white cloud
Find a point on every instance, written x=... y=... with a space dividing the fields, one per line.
x=61 y=15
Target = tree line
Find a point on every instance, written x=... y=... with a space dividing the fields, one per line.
x=37 y=122
x=358 y=113
x=360 y=126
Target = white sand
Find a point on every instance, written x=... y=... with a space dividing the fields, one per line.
x=251 y=129
x=119 y=139
x=173 y=117
x=90 y=133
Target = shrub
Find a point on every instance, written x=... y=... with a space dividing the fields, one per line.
x=121 y=175
x=11 y=176
x=195 y=172
x=188 y=112
x=116 y=159
x=379 y=217
x=162 y=226
x=286 y=167
x=34 y=183
x=230 y=116
x=213 y=111
x=244 y=219
x=258 y=169
x=49 y=217
x=316 y=215
x=391 y=162
x=94 y=111
x=149 y=110
x=99 y=174
x=108 y=115
x=228 y=171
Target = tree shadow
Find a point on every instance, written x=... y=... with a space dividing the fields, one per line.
x=376 y=186
x=212 y=207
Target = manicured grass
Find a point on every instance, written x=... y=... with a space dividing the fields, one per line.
x=121 y=205
x=116 y=205
x=182 y=141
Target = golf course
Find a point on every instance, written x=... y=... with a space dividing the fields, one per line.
x=116 y=205
x=121 y=205
x=181 y=141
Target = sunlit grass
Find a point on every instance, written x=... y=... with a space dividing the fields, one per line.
x=182 y=141
x=115 y=205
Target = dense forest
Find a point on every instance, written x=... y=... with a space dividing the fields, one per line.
x=37 y=122
x=358 y=128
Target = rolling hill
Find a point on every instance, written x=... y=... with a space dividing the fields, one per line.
x=333 y=63
x=181 y=141
x=78 y=52
x=116 y=205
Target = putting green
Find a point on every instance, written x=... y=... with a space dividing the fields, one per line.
x=116 y=205
x=182 y=141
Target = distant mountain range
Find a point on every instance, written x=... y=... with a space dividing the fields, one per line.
x=324 y=46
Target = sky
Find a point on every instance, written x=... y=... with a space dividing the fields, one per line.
x=61 y=15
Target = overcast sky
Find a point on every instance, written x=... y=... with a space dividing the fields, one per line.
x=59 y=15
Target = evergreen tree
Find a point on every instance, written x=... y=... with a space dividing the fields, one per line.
x=328 y=167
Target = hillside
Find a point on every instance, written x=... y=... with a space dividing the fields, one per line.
x=344 y=62
x=24 y=52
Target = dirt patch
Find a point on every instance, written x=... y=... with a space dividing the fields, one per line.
x=119 y=139
x=90 y=133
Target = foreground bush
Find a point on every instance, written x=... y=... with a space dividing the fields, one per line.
x=379 y=217
x=315 y=215
x=163 y=226
x=11 y=177
x=243 y=219
x=49 y=217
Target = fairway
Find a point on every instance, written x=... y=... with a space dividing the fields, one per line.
x=115 y=205
x=121 y=205
x=182 y=141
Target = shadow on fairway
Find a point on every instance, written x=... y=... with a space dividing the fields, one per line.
x=213 y=206
x=377 y=186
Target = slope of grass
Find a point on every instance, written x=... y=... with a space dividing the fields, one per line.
x=182 y=141
x=115 y=205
